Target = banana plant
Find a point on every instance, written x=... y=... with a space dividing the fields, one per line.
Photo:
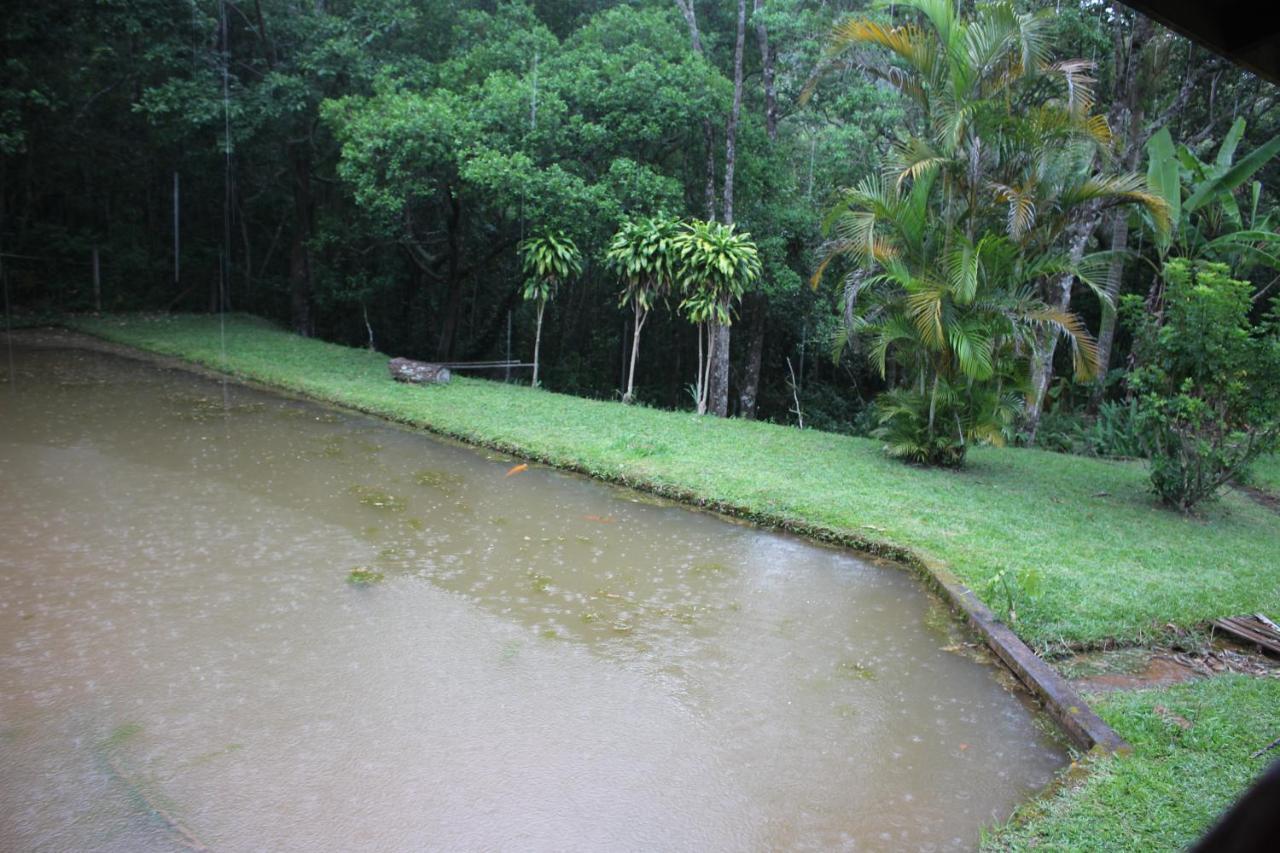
x=1206 y=219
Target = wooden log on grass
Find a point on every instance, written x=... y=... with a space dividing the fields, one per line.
x=418 y=372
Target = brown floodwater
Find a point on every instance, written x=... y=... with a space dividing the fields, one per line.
x=547 y=663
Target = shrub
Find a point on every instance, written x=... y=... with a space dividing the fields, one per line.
x=1114 y=432
x=1208 y=388
x=937 y=428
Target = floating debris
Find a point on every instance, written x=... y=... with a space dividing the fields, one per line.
x=852 y=669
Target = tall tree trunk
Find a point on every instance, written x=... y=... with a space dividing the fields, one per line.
x=1125 y=114
x=748 y=392
x=300 y=253
x=537 y=341
x=453 y=299
x=705 y=383
x=699 y=383
x=691 y=19
x=735 y=110
x=708 y=134
x=1128 y=119
x=641 y=316
x=709 y=137
x=766 y=70
x=1059 y=297
x=719 y=390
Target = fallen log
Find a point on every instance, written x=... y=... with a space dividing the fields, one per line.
x=418 y=372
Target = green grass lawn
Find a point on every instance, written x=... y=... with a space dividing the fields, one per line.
x=1266 y=474
x=1192 y=747
x=1107 y=562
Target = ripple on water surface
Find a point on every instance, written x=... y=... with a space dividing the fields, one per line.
x=532 y=661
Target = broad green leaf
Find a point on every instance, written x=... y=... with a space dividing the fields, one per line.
x=1234 y=176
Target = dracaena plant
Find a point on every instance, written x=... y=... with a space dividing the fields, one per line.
x=549 y=259
x=643 y=254
x=715 y=266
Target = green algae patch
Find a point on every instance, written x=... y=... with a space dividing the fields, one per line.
x=852 y=670
x=365 y=576
x=445 y=482
x=710 y=569
x=375 y=498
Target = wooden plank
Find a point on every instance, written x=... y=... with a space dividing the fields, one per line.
x=1260 y=632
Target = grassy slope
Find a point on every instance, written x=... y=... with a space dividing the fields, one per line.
x=1266 y=473
x=1177 y=782
x=1113 y=565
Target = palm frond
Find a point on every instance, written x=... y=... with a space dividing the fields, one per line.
x=1084 y=350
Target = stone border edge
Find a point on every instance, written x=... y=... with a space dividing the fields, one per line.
x=1082 y=725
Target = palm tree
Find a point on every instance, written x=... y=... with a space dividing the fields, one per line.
x=643 y=254
x=972 y=238
x=951 y=314
x=716 y=265
x=549 y=259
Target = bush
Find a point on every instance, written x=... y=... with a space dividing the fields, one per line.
x=1114 y=433
x=937 y=428
x=1111 y=434
x=1208 y=388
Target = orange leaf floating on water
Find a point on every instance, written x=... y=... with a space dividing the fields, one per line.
x=601 y=519
x=518 y=469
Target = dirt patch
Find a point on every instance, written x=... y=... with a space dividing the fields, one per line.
x=1262 y=496
x=1160 y=671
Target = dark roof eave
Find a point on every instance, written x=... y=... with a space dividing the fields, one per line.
x=1242 y=31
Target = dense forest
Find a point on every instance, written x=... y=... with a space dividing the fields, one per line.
x=954 y=211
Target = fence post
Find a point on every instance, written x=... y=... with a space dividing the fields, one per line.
x=97 y=282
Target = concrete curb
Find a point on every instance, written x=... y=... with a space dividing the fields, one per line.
x=1087 y=730
x=1084 y=728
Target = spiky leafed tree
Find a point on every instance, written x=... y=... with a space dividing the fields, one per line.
x=643 y=253
x=716 y=267
x=549 y=260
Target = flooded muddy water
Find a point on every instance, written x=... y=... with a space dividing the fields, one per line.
x=533 y=661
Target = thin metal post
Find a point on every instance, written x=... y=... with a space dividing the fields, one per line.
x=176 y=245
x=97 y=282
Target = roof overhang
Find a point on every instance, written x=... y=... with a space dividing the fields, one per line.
x=1243 y=31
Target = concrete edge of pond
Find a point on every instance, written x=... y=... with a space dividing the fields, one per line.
x=1082 y=726
x=1067 y=707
